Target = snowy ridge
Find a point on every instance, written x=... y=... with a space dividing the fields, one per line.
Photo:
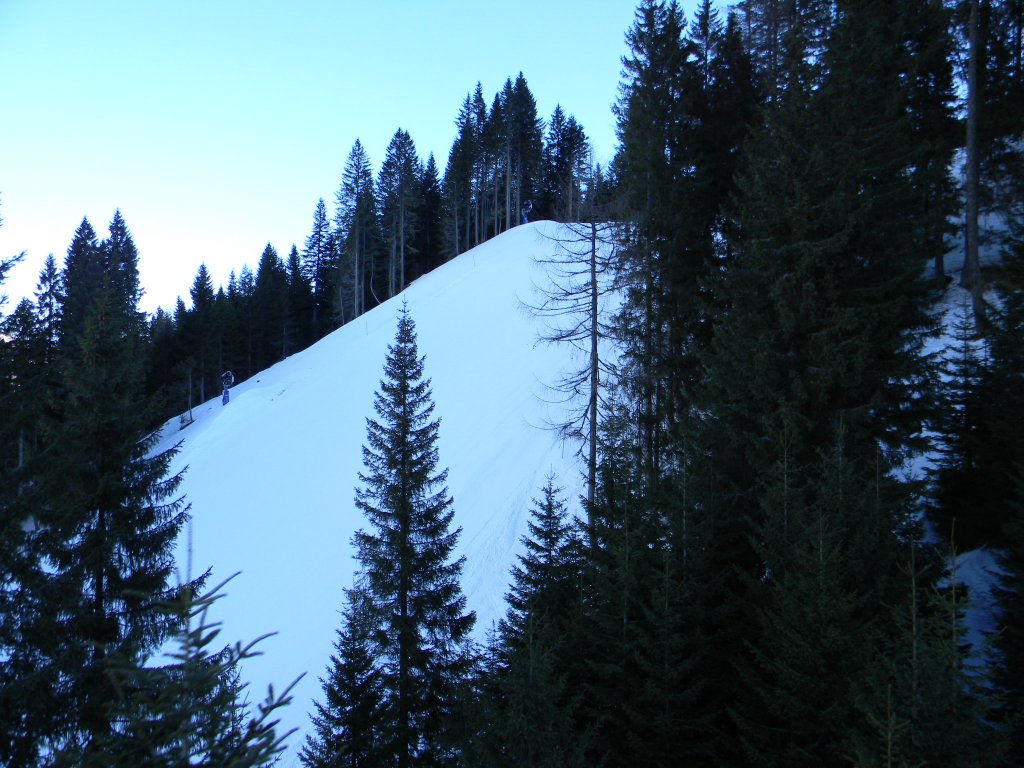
x=271 y=476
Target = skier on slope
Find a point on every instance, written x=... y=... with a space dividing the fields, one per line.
x=228 y=380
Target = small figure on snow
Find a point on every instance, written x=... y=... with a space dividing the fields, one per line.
x=527 y=210
x=228 y=380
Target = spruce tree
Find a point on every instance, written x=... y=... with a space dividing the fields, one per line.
x=526 y=142
x=533 y=717
x=964 y=499
x=201 y=337
x=398 y=190
x=1009 y=639
x=665 y=254
x=644 y=630
x=319 y=268
x=546 y=573
x=300 y=304
x=105 y=515
x=113 y=524
x=458 y=185
x=270 y=310
x=566 y=153
x=428 y=241
x=357 y=237
x=415 y=610
x=191 y=708
x=1002 y=466
x=493 y=210
x=346 y=727
x=81 y=279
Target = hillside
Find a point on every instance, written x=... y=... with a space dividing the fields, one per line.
x=271 y=476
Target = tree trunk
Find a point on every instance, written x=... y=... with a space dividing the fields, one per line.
x=508 y=187
x=594 y=373
x=970 y=277
x=401 y=245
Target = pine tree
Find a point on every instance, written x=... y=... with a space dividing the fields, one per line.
x=398 y=188
x=200 y=335
x=416 y=610
x=105 y=519
x=346 y=728
x=963 y=497
x=566 y=154
x=1009 y=640
x=533 y=692
x=458 y=184
x=665 y=253
x=300 y=304
x=525 y=137
x=357 y=236
x=1003 y=469
x=121 y=268
x=270 y=310
x=81 y=279
x=319 y=269
x=191 y=709
x=428 y=241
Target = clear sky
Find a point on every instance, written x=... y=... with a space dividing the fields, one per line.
x=215 y=125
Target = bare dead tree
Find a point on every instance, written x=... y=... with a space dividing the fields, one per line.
x=578 y=284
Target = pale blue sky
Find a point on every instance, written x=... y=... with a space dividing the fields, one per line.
x=215 y=125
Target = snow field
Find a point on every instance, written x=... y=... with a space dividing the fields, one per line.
x=271 y=476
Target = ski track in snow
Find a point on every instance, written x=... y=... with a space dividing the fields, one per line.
x=271 y=476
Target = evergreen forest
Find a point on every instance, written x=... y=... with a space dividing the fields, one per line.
x=781 y=468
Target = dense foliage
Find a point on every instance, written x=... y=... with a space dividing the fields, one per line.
x=761 y=573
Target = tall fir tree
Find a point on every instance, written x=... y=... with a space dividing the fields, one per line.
x=533 y=695
x=346 y=727
x=1002 y=465
x=458 y=183
x=300 y=304
x=964 y=499
x=429 y=238
x=270 y=310
x=201 y=336
x=526 y=142
x=319 y=268
x=398 y=190
x=415 y=610
x=81 y=278
x=104 y=520
x=566 y=156
x=357 y=236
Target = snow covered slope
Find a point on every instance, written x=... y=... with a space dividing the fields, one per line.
x=271 y=476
